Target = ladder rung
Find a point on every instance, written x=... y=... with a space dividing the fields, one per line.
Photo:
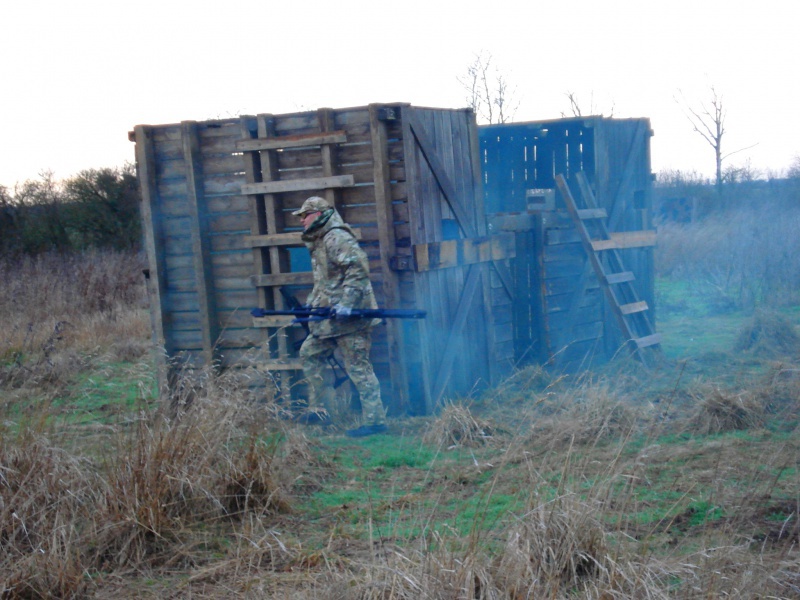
x=648 y=340
x=633 y=307
x=620 y=277
x=592 y=213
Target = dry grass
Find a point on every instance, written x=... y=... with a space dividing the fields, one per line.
x=60 y=309
x=158 y=496
x=456 y=426
x=720 y=411
x=45 y=494
x=737 y=258
x=589 y=413
x=208 y=496
x=769 y=335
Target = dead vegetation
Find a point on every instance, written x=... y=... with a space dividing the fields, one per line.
x=721 y=411
x=606 y=486
x=769 y=335
x=456 y=426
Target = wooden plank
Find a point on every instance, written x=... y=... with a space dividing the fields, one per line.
x=201 y=247
x=278 y=279
x=420 y=341
x=281 y=365
x=384 y=213
x=154 y=247
x=617 y=204
x=626 y=239
x=592 y=213
x=633 y=307
x=293 y=238
x=456 y=253
x=291 y=141
x=516 y=222
x=298 y=185
x=256 y=208
x=327 y=154
x=624 y=276
x=650 y=340
x=455 y=203
x=274 y=321
x=455 y=338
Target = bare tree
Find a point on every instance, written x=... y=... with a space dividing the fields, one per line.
x=708 y=120
x=575 y=107
x=794 y=168
x=489 y=92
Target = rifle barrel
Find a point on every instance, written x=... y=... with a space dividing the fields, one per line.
x=327 y=313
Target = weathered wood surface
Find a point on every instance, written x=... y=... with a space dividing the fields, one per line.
x=400 y=181
x=292 y=141
x=626 y=239
x=298 y=185
x=469 y=251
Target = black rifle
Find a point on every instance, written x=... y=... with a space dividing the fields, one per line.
x=306 y=314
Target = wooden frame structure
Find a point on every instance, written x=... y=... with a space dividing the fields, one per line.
x=220 y=240
x=563 y=311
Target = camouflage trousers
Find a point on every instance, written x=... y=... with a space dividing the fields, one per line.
x=354 y=348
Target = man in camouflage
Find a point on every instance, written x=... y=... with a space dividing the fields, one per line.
x=341 y=281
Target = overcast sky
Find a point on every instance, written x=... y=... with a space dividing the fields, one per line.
x=78 y=75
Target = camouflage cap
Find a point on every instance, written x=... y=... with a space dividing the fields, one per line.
x=313 y=204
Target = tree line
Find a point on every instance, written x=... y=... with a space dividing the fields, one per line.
x=97 y=208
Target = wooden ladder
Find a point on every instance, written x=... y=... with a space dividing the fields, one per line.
x=617 y=283
x=268 y=236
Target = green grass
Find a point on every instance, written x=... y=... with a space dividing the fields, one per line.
x=694 y=323
x=691 y=323
x=104 y=393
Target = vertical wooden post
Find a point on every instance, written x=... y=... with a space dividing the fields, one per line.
x=201 y=245
x=325 y=116
x=418 y=235
x=252 y=171
x=154 y=246
x=476 y=185
x=387 y=242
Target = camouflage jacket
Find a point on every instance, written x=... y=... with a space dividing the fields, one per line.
x=341 y=275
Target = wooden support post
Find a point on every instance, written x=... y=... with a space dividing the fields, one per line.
x=386 y=239
x=154 y=246
x=201 y=245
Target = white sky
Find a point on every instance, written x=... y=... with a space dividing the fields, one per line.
x=78 y=75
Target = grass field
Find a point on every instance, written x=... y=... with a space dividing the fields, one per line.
x=680 y=482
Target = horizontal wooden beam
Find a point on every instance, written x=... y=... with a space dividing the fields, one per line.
x=291 y=141
x=274 y=239
x=592 y=213
x=298 y=185
x=633 y=307
x=622 y=277
x=281 y=365
x=274 y=321
x=293 y=238
x=650 y=340
x=626 y=239
x=302 y=278
x=512 y=221
x=457 y=253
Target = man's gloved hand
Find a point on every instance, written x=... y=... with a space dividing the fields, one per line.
x=340 y=311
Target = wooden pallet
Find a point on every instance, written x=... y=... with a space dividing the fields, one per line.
x=268 y=238
x=618 y=284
